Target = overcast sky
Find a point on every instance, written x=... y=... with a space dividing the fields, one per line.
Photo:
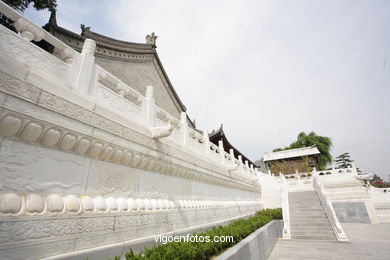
x=267 y=70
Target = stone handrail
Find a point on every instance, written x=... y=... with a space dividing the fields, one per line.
x=94 y=163
x=349 y=170
x=298 y=181
x=30 y=31
x=285 y=209
x=329 y=210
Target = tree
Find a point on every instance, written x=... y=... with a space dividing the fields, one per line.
x=21 y=5
x=343 y=161
x=323 y=144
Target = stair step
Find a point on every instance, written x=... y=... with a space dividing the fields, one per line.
x=331 y=238
x=309 y=218
x=302 y=192
x=310 y=224
x=299 y=209
x=307 y=213
x=301 y=202
x=304 y=200
x=309 y=205
x=313 y=233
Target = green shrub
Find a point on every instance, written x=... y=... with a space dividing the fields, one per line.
x=204 y=250
x=273 y=213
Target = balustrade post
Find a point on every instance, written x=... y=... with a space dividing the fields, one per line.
x=184 y=128
x=247 y=167
x=297 y=175
x=252 y=170
x=206 y=142
x=240 y=164
x=221 y=151
x=148 y=108
x=87 y=66
x=231 y=152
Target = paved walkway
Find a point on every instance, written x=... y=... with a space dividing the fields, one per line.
x=367 y=241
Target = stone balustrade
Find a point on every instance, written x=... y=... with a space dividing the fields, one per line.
x=87 y=161
x=329 y=210
x=285 y=209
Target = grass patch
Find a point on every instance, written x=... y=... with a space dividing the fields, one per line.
x=204 y=250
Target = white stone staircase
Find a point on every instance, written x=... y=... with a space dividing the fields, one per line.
x=308 y=219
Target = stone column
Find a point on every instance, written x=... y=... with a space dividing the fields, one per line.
x=221 y=151
x=206 y=142
x=231 y=152
x=297 y=175
x=240 y=164
x=148 y=107
x=184 y=128
x=247 y=167
x=86 y=66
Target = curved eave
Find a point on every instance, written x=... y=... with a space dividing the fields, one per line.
x=108 y=41
x=118 y=45
x=220 y=135
x=169 y=82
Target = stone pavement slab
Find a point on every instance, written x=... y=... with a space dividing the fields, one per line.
x=367 y=241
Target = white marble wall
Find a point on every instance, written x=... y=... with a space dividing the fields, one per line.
x=87 y=161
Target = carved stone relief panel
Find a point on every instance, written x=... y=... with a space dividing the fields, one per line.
x=112 y=179
x=25 y=167
x=31 y=56
x=26 y=108
x=116 y=103
x=37 y=251
x=154 y=185
x=19 y=88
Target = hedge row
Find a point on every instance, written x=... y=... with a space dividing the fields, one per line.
x=204 y=250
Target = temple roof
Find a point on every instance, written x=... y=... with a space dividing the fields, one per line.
x=219 y=134
x=291 y=153
x=136 y=64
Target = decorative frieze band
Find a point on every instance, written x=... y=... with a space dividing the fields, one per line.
x=13 y=204
x=34 y=131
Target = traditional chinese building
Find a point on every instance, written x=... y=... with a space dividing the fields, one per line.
x=219 y=135
x=135 y=64
x=292 y=161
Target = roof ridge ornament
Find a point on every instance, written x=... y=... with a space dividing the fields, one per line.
x=85 y=28
x=151 y=39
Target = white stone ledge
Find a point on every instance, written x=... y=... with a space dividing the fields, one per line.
x=257 y=246
x=35 y=238
x=137 y=245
